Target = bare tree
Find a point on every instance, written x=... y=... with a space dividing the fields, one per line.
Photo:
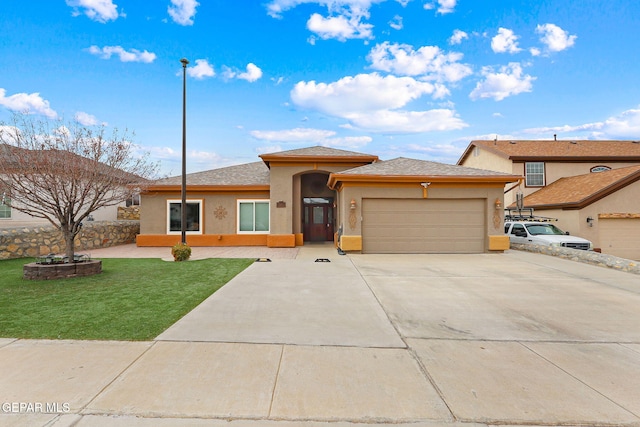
x=64 y=172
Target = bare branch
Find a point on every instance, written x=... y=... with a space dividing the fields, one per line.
x=62 y=172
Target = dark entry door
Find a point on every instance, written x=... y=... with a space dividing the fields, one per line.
x=318 y=222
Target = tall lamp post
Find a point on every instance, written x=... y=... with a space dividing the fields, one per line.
x=183 y=205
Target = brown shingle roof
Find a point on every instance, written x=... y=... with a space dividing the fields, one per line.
x=318 y=154
x=578 y=191
x=403 y=166
x=255 y=173
x=318 y=151
x=407 y=170
x=586 y=150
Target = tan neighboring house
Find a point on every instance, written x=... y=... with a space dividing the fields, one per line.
x=320 y=194
x=11 y=217
x=591 y=187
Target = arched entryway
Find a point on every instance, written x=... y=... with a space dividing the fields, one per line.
x=318 y=207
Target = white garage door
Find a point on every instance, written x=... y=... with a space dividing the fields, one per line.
x=620 y=237
x=423 y=225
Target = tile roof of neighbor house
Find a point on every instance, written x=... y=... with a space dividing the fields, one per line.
x=255 y=173
x=575 y=192
x=559 y=150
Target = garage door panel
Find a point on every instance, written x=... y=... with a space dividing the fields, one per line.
x=620 y=237
x=423 y=226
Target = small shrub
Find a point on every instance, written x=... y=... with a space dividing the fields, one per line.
x=181 y=252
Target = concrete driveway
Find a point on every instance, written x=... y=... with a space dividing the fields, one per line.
x=420 y=340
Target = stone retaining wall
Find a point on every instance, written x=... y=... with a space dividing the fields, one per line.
x=128 y=213
x=22 y=242
x=588 y=257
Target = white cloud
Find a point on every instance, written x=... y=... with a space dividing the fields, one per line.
x=457 y=37
x=350 y=142
x=343 y=7
x=364 y=92
x=314 y=136
x=555 y=38
x=396 y=22
x=252 y=74
x=86 y=119
x=508 y=81
x=183 y=11
x=430 y=62
x=505 y=41
x=345 y=18
x=97 y=10
x=201 y=70
x=339 y=27
x=133 y=55
x=624 y=125
x=27 y=102
x=398 y=121
x=372 y=102
x=444 y=6
x=535 y=51
x=293 y=135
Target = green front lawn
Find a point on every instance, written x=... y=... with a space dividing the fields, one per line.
x=133 y=299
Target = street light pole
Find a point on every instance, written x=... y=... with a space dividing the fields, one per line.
x=183 y=205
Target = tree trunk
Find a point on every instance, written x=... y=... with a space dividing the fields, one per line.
x=69 y=239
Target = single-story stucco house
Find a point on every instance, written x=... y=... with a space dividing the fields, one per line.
x=323 y=194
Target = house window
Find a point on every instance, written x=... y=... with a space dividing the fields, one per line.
x=534 y=174
x=133 y=200
x=5 y=206
x=253 y=216
x=194 y=216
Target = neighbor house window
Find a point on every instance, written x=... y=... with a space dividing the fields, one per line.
x=534 y=174
x=194 y=216
x=5 y=207
x=253 y=216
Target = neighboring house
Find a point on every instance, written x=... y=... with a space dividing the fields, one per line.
x=324 y=194
x=11 y=217
x=591 y=187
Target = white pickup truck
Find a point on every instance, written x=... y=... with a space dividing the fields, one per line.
x=543 y=233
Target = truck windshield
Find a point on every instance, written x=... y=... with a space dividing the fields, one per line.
x=536 y=229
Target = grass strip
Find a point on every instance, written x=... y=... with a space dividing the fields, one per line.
x=133 y=299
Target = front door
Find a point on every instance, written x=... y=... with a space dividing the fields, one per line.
x=318 y=222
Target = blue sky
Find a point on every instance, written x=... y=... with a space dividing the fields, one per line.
x=413 y=78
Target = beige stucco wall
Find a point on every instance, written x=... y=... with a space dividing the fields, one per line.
x=286 y=187
x=625 y=200
x=153 y=218
x=483 y=159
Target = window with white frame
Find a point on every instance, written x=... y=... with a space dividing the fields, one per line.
x=534 y=174
x=193 y=220
x=5 y=206
x=253 y=216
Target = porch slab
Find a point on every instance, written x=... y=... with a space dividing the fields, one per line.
x=506 y=383
x=356 y=384
x=195 y=380
x=66 y=373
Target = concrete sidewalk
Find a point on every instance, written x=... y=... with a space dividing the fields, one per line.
x=409 y=340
